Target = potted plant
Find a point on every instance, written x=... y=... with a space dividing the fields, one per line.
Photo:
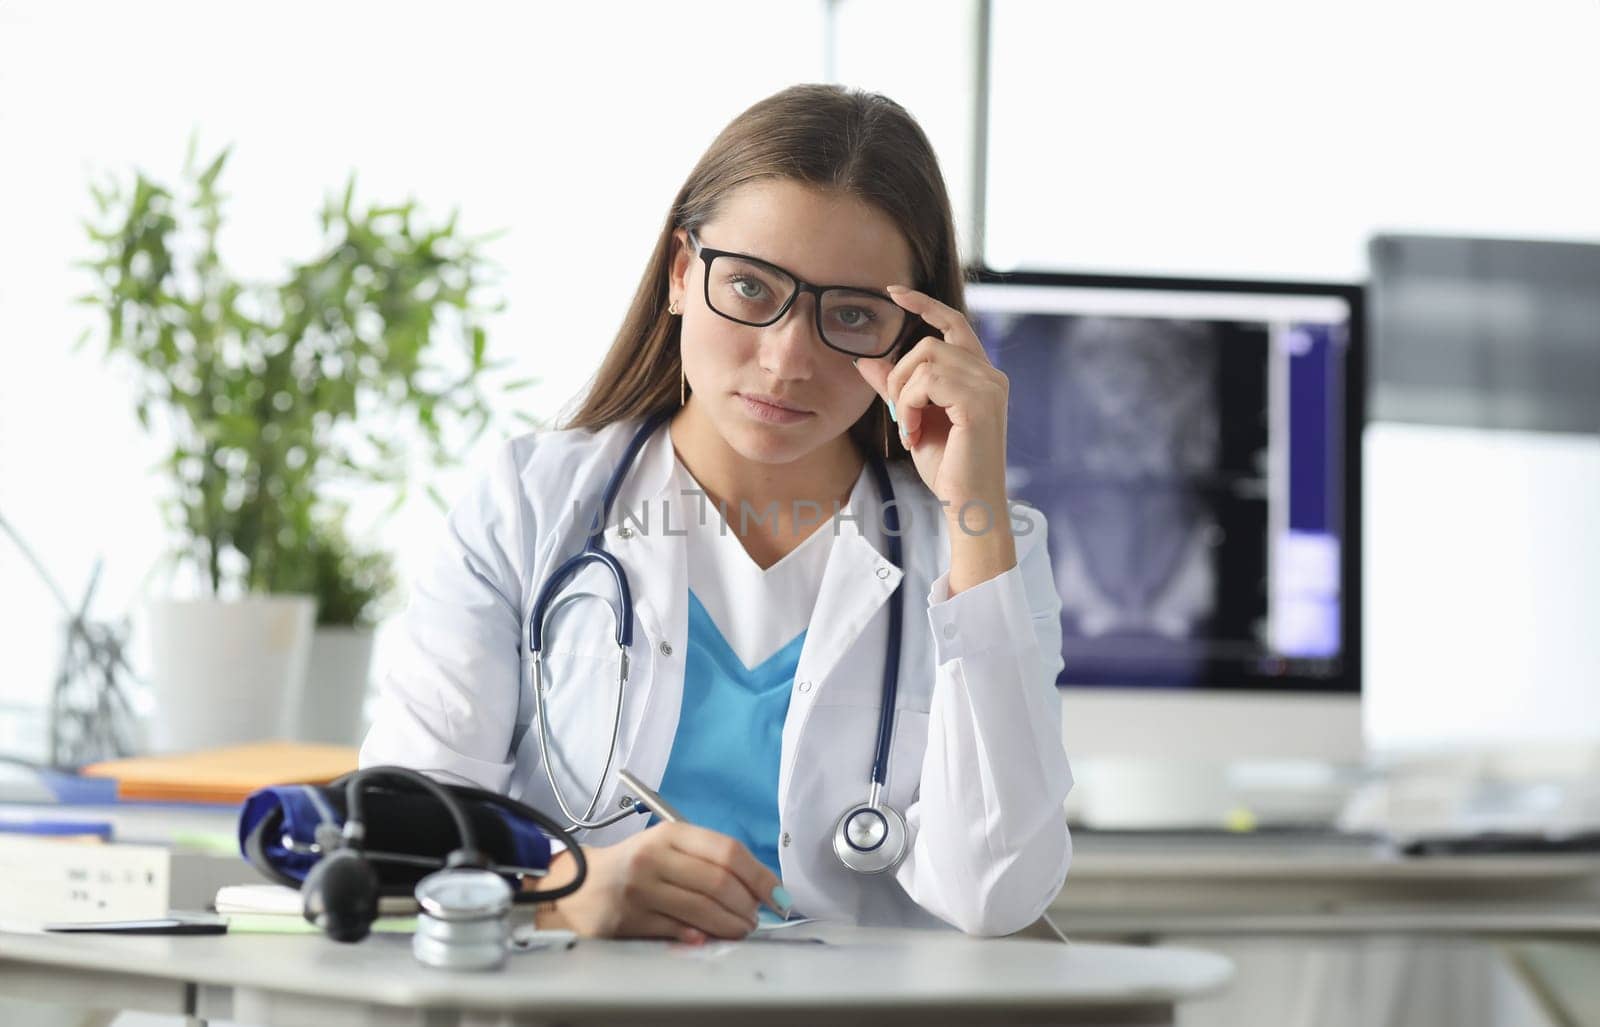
x=275 y=402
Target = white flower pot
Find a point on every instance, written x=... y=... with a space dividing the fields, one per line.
x=330 y=703
x=226 y=671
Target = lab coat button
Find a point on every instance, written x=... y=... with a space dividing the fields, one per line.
x=949 y=631
x=883 y=573
x=786 y=839
x=665 y=648
x=624 y=532
x=805 y=686
x=626 y=802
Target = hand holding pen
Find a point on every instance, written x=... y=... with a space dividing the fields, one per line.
x=674 y=880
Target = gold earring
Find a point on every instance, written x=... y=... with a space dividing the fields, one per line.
x=683 y=379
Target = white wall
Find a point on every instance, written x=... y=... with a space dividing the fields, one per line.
x=921 y=53
x=1268 y=138
x=547 y=120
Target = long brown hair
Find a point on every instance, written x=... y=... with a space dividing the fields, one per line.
x=824 y=136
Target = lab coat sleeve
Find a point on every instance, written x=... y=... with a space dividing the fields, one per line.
x=448 y=702
x=990 y=846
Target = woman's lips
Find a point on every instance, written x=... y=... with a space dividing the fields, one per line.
x=771 y=413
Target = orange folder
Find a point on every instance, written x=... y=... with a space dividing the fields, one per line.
x=226 y=775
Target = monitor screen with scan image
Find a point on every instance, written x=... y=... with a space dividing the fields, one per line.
x=1191 y=445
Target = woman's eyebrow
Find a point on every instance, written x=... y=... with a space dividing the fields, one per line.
x=826 y=281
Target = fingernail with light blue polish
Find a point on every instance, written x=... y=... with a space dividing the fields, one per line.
x=892 y=415
x=781 y=900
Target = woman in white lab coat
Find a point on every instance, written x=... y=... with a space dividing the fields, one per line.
x=755 y=670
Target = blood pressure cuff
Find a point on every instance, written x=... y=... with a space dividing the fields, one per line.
x=278 y=827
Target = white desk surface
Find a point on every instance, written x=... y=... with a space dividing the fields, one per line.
x=915 y=975
x=1122 y=887
x=1099 y=858
x=1499 y=922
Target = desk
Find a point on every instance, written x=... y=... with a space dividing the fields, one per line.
x=1332 y=932
x=864 y=976
x=1123 y=887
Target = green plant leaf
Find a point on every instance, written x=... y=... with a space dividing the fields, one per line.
x=274 y=391
x=208 y=177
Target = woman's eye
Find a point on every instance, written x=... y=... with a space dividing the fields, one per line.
x=754 y=291
x=854 y=317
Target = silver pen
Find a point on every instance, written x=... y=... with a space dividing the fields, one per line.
x=659 y=806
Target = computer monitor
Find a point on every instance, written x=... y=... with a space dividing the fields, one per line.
x=1194 y=446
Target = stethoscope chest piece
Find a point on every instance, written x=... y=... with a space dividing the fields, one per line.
x=464 y=922
x=870 y=839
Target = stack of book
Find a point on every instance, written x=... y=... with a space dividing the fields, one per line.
x=135 y=839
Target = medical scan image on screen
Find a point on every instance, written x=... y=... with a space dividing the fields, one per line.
x=1189 y=467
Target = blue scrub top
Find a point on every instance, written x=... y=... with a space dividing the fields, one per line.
x=723 y=770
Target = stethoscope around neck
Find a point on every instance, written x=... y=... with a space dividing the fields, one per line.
x=869 y=837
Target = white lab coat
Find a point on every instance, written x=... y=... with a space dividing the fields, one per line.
x=977 y=764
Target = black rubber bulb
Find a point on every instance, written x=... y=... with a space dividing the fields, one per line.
x=340 y=895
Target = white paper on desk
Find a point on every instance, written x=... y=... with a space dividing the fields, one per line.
x=281 y=899
x=772 y=922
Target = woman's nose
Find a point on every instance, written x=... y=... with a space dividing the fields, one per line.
x=789 y=346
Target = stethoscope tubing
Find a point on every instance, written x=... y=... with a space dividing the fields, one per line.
x=594 y=552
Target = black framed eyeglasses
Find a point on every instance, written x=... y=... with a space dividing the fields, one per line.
x=856 y=322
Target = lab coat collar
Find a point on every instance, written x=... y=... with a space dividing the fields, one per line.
x=648 y=523
x=856 y=582
x=647 y=533
x=858 y=579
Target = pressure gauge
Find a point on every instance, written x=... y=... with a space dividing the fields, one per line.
x=464 y=920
